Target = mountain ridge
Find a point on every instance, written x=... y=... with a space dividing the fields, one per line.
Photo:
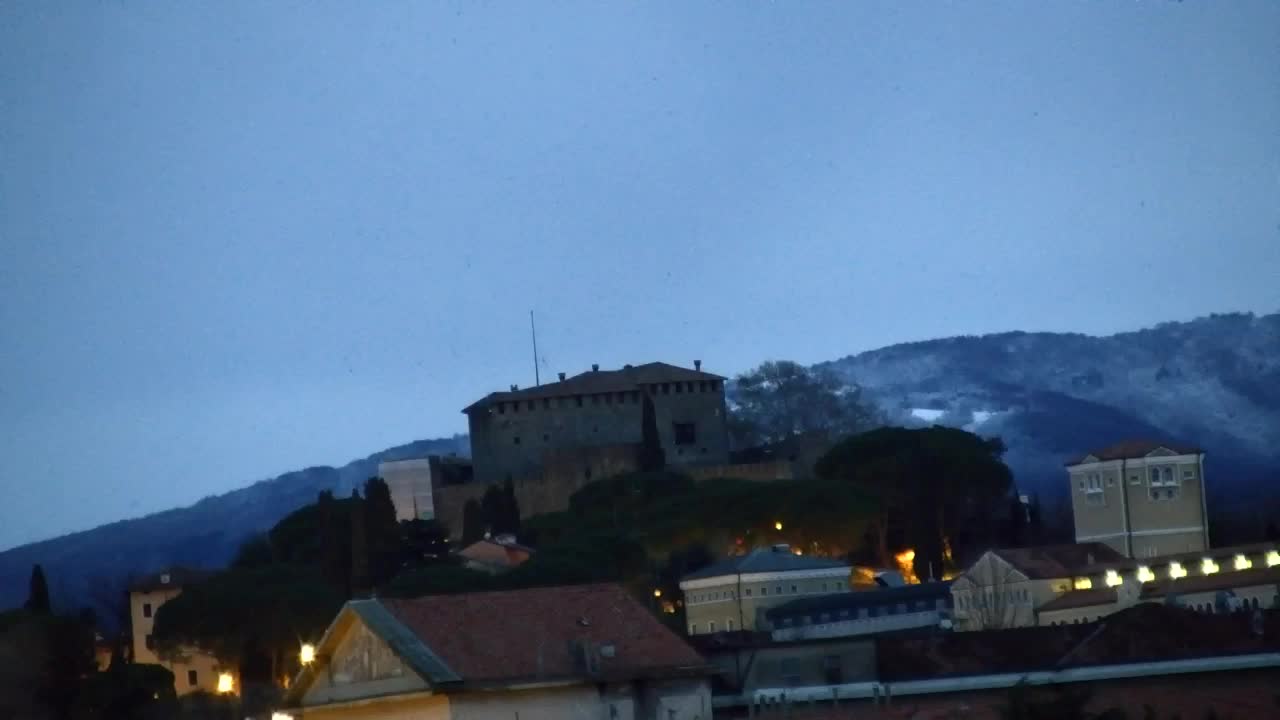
x=1213 y=381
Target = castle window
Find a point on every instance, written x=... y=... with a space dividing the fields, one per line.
x=191 y=678
x=515 y=406
x=608 y=398
x=666 y=388
x=622 y=397
x=146 y=610
x=685 y=433
x=532 y=405
x=546 y=403
x=546 y=437
x=679 y=387
x=515 y=440
x=579 y=399
x=502 y=408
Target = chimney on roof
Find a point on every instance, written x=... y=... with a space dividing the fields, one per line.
x=561 y=376
x=595 y=367
x=697 y=364
x=515 y=388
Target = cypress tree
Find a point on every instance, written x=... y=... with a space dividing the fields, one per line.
x=510 y=510
x=38 y=595
x=472 y=522
x=360 y=581
x=382 y=531
x=651 y=457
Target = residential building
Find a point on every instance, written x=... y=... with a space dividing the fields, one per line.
x=1143 y=498
x=1004 y=587
x=734 y=594
x=1069 y=584
x=512 y=432
x=192 y=669
x=495 y=555
x=413 y=482
x=562 y=653
x=886 y=609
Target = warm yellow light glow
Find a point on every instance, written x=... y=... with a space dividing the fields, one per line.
x=777 y=525
x=1242 y=562
x=1208 y=566
x=1145 y=575
x=1273 y=558
x=1113 y=578
x=1083 y=583
x=1176 y=570
x=307 y=654
x=797 y=551
x=226 y=683
x=657 y=592
x=905 y=560
x=281 y=716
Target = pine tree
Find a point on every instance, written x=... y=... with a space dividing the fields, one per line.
x=360 y=582
x=651 y=457
x=38 y=596
x=335 y=560
x=472 y=522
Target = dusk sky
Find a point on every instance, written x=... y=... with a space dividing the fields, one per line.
x=238 y=239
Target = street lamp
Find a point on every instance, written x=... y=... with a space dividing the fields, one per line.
x=657 y=592
x=226 y=683
x=777 y=525
x=307 y=654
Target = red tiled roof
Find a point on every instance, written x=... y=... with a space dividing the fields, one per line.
x=1058 y=561
x=1079 y=599
x=600 y=381
x=1130 y=449
x=498 y=637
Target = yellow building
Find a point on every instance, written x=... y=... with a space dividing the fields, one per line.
x=1145 y=499
x=565 y=653
x=192 y=670
x=1066 y=584
x=733 y=594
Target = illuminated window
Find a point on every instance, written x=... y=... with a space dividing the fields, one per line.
x=1208 y=566
x=1242 y=562
x=146 y=610
x=1083 y=583
x=1176 y=571
x=1113 y=578
x=1273 y=558
x=1145 y=575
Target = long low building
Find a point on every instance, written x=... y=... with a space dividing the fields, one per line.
x=1061 y=584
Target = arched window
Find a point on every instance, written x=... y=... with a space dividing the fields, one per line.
x=1168 y=476
x=1155 y=476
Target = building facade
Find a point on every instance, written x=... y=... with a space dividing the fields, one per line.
x=565 y=653
x=869 y=612
x=192 y=669
x=512 y=433
x=734 y=595
x=1145 y=499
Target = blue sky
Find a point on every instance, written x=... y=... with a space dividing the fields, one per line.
x=242 y=238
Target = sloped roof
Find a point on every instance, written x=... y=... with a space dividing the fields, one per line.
x=524 y=635
x=1131 y=449
x=765 y=560
x=1058 y=561
x=1079 y=599
x=177 y=578
x=866 y=598
x=1226 y=579
x=600 y=381
x=492 y=552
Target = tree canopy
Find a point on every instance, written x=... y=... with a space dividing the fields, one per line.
x=782 y=398
x=937 y=487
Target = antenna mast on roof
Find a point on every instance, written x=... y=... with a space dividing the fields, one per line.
x=537 y=380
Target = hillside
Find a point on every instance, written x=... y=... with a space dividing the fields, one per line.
x=206 y=534
x=1213 y=381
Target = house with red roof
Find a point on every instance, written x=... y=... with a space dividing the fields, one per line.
x=558 y=653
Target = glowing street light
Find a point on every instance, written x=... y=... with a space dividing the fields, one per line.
x=307 y=654
x=777 y=525
x=657 y=592
x=226 y=683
